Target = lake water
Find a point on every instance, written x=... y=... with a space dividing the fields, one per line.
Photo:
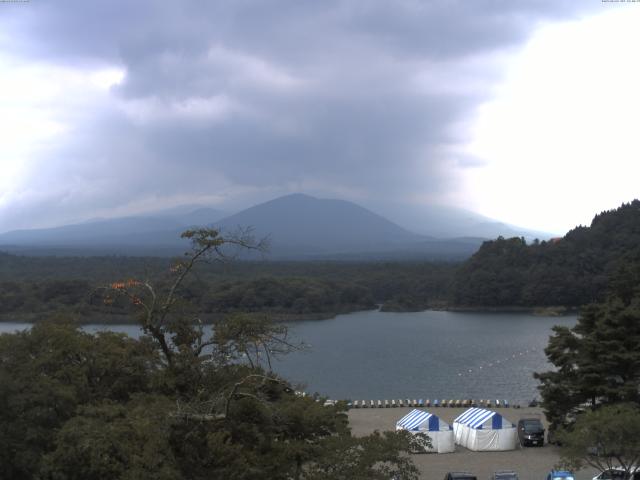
x=444 y=355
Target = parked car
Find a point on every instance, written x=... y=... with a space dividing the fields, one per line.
x=460 y=476
x=560 y=475
x=618 y=473
x=530 y=432
x=504 y=475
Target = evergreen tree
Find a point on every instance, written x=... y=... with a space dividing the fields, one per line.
x=570 y=271
x=597 y=361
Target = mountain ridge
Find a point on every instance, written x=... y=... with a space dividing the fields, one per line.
x=321 y=225
x=299 y=226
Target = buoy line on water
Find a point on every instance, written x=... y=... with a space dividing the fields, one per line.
x=496 y=363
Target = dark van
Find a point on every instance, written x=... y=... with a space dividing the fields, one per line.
x=530 y=432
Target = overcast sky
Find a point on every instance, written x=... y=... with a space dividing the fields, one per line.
x=525 y=111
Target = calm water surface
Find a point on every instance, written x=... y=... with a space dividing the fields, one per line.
x=444 y=355
x=378 y=355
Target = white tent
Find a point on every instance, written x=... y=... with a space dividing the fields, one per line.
x=440 y=433
x=484 y=430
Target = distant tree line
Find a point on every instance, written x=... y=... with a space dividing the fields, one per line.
x=288 y=289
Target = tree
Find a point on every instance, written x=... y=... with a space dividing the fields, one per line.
x=157 y=305
x=115 y=440
x=604 y=438
x=252 y=337
x=48 y=372
x=377 y=456
x=597 y=361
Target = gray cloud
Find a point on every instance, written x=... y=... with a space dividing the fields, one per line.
x=243 y=100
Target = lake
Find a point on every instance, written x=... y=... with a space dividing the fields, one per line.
x=384 y=355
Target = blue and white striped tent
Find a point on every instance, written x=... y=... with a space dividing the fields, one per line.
x=484 y=430
x=440 y=432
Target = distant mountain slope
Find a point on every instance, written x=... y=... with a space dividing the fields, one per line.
x=451 y=222
x=162 y=228
x=301 y=224
x=299 y=227
x=571 y=271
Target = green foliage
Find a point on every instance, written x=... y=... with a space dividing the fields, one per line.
x=47 y=372
x=33 y=287
x=592 y=398
x=288 y=295
x=114 y=440
x=377 y=456
x=571 y=271
x=79 y=406
x=604 y=439
x=597 y=361
x=175 y=404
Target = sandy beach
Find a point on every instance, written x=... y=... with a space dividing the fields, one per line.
x=532 y=463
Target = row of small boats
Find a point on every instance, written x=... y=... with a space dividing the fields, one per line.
x=458 y=403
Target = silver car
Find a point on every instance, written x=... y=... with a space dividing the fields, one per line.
x=618 y=473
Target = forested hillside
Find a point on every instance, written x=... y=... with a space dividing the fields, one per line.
x=33 y=287
x=570 y=271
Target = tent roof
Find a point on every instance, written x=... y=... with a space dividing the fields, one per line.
x=475 y=417
x=414 y=419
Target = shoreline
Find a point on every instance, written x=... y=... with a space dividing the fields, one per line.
x=550 y=311
x=210 y=319
x=124 y=319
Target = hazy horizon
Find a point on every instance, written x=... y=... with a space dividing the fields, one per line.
x=522 y=112
x=409 y=221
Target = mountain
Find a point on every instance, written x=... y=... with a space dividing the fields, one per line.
x=116 y=235
x=451 y=222
x=299 y=227
x=299 y=224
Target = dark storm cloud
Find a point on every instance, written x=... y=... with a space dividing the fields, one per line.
x=281 y=28
x=258 y=98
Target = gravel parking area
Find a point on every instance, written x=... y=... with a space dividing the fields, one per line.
x=532 y=463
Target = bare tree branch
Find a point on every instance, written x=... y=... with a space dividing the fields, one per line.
x=206 y=245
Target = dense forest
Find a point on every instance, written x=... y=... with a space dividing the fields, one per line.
x=31 y=287
x=569 y=271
